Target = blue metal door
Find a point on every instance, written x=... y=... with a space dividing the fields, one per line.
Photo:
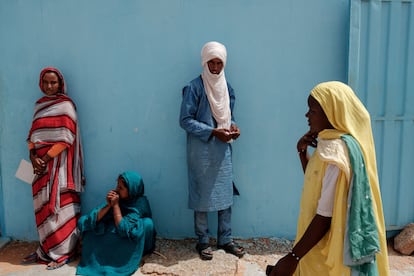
x=381 y=70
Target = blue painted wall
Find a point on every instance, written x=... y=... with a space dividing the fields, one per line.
x=125 y=63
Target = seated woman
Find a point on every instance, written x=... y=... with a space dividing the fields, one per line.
x=116 y=234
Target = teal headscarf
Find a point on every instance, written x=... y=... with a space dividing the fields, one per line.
x=135 y=185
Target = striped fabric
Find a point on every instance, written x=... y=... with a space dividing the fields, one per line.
x=56 y=193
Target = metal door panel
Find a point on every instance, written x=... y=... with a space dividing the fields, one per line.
x=381 y=71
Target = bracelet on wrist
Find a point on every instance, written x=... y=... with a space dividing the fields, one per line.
x=292 y=254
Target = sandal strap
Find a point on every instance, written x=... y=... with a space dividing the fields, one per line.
x=233 y=248
x=55 y=265
x=205 y=251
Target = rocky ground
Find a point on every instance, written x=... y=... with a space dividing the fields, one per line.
x=178 y=257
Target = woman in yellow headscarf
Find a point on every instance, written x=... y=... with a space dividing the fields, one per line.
x=341 y=225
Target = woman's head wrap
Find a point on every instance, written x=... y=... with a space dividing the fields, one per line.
x=344 y=110
x=59 y=75
x=215 y=85
x=347 y=114
x=134 y=183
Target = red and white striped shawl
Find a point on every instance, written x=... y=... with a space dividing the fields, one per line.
x=55 y=121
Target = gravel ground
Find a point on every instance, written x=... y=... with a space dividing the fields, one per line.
x=178 y=257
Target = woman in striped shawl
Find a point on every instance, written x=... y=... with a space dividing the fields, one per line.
x=56 y=155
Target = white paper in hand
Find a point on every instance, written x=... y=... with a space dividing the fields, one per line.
x=25 y=172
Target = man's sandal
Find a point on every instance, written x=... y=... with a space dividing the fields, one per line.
x=205 y=251
x=233 y=248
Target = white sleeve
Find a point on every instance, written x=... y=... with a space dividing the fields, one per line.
x=326 y=201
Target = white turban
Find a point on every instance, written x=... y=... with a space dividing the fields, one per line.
x=215 y=85
x=212 y=50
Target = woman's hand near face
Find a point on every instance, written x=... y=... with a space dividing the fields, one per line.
x=102 y=212
x=309 y=139
x=108 y=198
x=112 y=198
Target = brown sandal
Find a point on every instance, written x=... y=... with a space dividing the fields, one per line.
x=233 y=248
x=205 y=251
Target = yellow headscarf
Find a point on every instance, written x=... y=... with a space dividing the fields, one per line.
x=347 y=114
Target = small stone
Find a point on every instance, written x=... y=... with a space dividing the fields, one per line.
x=404 y=241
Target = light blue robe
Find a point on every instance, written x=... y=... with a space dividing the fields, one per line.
x=209 y=160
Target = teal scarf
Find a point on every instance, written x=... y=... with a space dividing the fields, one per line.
x=361 y=238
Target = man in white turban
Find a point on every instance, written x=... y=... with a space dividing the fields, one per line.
x=206 y=116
